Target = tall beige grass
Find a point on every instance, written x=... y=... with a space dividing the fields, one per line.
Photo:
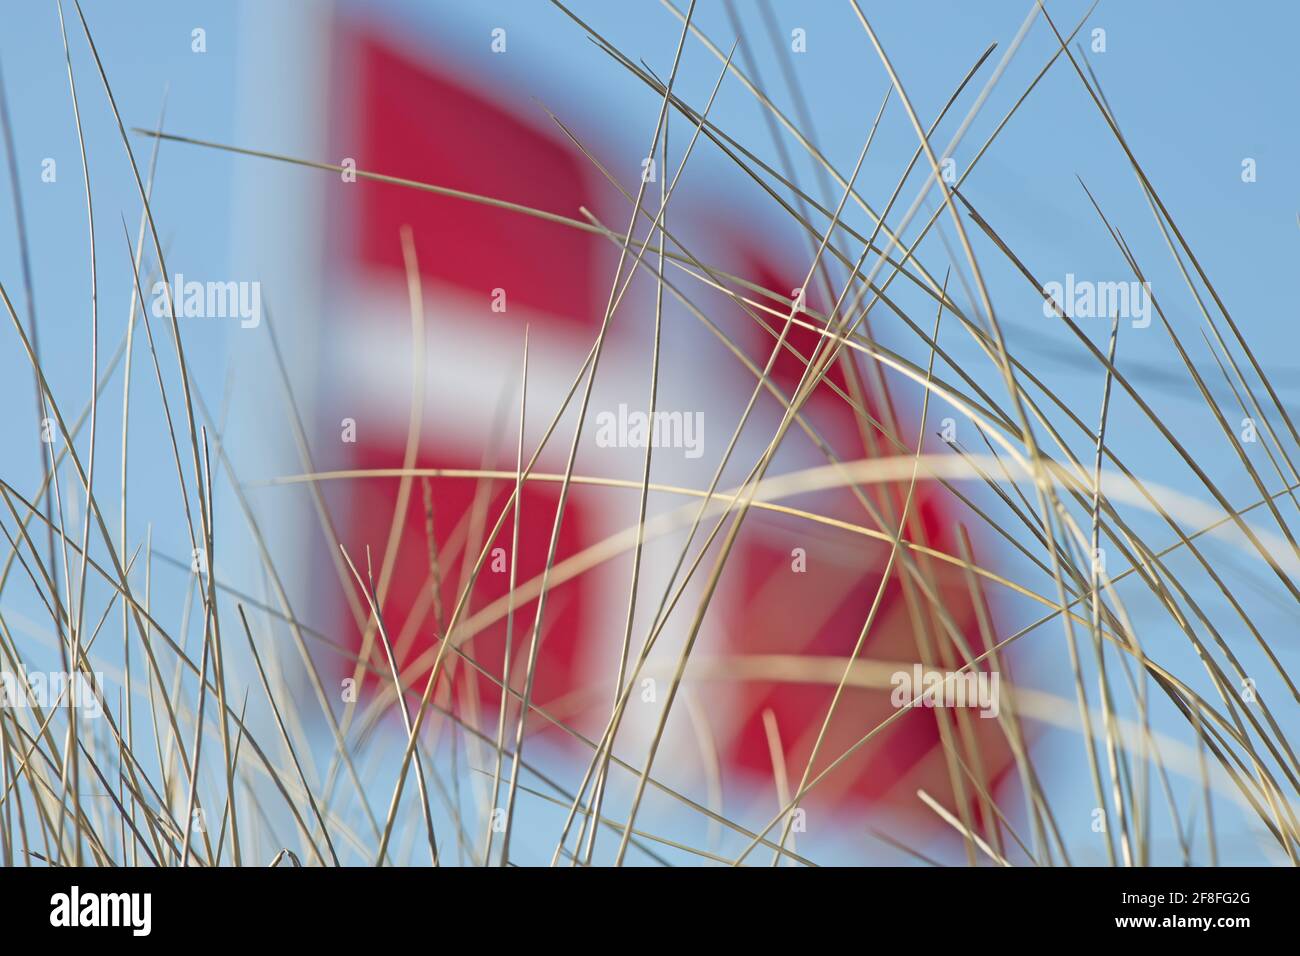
x=1042 y=481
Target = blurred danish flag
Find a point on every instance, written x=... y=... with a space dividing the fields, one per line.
x=791 y=589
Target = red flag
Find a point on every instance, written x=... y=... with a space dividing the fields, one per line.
x=407 y=118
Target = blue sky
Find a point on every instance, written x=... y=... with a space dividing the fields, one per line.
x=1197 y=88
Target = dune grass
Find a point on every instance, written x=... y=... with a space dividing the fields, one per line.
x=1041 y=482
